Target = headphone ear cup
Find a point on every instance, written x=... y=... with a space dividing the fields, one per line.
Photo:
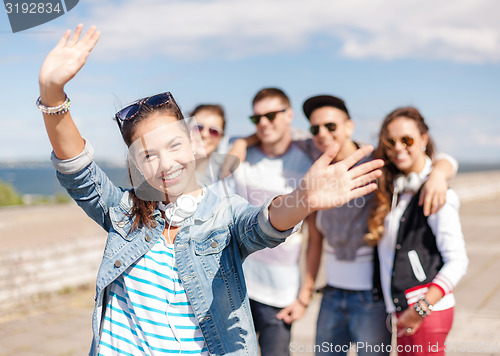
x=414 y=182
x=186 y=205
x=399 y=184
x=183 y=208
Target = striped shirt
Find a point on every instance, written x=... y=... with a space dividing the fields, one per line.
x=148 y=312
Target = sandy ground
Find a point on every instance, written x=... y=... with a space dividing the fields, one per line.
x=32 y=226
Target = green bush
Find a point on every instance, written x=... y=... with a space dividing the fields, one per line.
x=62 y=198
x=8 y=195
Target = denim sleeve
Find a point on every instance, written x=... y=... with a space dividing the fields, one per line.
x=252 y=228
x=88 y=185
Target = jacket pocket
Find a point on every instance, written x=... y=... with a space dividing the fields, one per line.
x=120 y=233
x=122 y=223
x=216 y=259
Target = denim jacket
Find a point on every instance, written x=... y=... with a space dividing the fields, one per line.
x=210 y=248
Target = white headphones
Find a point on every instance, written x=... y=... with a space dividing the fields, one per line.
x=411 y=183
x=185 y=206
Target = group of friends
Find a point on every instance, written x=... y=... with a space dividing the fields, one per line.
x=204 y=260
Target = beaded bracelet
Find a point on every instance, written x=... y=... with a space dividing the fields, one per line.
x=55 y=110
x=429 y=305
x=423 y=312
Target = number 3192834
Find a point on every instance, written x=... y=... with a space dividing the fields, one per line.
x=32 y=8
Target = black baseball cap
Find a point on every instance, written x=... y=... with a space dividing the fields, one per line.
x=320 y=101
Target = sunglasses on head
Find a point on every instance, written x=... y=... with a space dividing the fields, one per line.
x=129 y=112
x=406 y=141
x=270 y=116
x=330 y=126
x=213 y=131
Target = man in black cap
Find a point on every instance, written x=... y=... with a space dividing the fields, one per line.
x=330 y=124
x=350 y=311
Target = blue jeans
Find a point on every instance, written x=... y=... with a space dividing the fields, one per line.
x=273 y=334
x=349 y=317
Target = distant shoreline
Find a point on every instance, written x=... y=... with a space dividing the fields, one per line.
x=39 y=178
x=463 y=166
x=478 y=167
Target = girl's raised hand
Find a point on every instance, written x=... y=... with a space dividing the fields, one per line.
x=331 y=185
x=67 y=58
x=326 y=186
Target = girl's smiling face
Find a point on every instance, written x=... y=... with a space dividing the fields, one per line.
x=405 y=145
x=210 y=127
x=162 y=151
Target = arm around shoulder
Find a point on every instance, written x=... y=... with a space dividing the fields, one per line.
x=446 y=226
x=433 y=194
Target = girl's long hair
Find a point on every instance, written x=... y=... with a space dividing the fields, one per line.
x=142 y=210
x=382 y=199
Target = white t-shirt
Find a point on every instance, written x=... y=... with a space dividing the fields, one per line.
x=272 y=275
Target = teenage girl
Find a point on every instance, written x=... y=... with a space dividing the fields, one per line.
x=171 y=280
x=421 y=258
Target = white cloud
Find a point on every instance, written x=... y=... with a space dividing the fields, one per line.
x=458 y=30
x=486 y=140
x=11 y=59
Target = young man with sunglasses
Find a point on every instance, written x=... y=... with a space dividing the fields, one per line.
x=275 y=166
x=352 y=309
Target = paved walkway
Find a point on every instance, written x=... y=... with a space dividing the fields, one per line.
x=59 y=325
x=476 y=326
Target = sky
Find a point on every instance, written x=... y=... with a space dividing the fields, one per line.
x=442 y=57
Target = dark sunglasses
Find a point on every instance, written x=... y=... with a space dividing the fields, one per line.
x=270 y=116
x=130 y=111
x=406 y=141
x=214 y=132
x=330 y=126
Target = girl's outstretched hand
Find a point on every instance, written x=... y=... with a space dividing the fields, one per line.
x=332 y=185
x=326 y=186
x=67 y=58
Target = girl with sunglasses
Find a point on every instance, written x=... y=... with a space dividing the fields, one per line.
x=171 y=279
x=421 y=258
x=209 y=121
x=208 y=124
